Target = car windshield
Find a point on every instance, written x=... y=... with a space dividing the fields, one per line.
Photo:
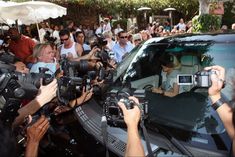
x=191 y=109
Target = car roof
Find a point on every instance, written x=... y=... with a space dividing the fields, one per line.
x=215 y=37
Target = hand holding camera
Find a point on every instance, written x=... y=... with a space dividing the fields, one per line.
x=115 y=111
x=202 y=78
x=35 y=133
x=92 y=53
x=47 y=93
x=131 y=115
x=218 y=82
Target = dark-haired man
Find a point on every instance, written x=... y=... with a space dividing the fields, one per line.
x=69 y=47
x=122 y=47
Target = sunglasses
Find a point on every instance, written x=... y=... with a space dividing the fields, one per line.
x=64 y=39
x=124 y=37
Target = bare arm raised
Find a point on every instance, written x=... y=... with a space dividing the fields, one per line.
x=225 y=111
x=131 y=117
x=45 y=95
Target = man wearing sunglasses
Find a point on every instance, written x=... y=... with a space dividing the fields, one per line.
x=122 y=47
x=69 y=48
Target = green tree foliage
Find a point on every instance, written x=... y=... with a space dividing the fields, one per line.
x=206 y=23
x=229 y=14
x=188 y=8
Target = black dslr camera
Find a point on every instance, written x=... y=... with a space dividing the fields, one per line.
x=114 y=113
x=199 y=79
x=15 y=87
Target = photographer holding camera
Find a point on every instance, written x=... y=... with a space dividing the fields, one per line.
x=132 y=117
x=45 y=95
x=35 y=133
x=73 y=51
x=45 y=56
x=225 y=112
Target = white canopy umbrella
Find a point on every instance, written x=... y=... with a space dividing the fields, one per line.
x=6 y=4
x=32 y=11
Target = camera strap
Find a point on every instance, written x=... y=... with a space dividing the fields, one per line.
x=146 y=137
x=105 y=134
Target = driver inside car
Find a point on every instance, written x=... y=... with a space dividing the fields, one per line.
x=170 y=66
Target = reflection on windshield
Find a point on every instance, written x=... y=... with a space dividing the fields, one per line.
x=122 y=66
x=188 y=111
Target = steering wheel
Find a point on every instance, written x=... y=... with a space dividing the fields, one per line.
x=148 y=87
x=196 y=88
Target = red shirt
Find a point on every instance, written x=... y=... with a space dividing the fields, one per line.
x=23 y=48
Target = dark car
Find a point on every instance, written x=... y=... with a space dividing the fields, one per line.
x=184 y=124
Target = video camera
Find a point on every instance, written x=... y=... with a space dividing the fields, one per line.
x=114 y=113
x=199 y=79
x=103 y=54
x=73 y=68
x=14 y=87
x=99 y=42
x=71 y=87
x=8 y=57
x=83 y=70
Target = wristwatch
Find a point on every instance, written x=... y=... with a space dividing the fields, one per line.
x=218 y=103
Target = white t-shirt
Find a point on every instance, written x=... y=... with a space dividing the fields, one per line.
x=72 y=50
x=107 y=27
x=169 y=80
x=42 y=33
x=181 y=26
x=55 y=34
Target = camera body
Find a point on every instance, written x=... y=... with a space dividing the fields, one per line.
x=199 y=79
x=114 y=113
x=15 y=87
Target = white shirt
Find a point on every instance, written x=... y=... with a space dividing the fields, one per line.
x=72 y=50
x=107 y=27
x=181 y=26
x=119 y=51
x=55 y=34
x=42 y=32
x=99 y=31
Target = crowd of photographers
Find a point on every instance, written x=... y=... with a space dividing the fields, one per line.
x=41 y=81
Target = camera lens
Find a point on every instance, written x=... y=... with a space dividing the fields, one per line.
x=113 y=111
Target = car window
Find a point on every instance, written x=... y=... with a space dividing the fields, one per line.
x=122 y=66
x=191 y=110
x=144 y=64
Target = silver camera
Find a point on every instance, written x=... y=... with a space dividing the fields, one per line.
x=199 y=79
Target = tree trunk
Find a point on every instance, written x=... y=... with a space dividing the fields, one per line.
x=203 y=7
